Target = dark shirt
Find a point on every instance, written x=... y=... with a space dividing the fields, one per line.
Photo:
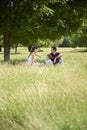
x=53 y=56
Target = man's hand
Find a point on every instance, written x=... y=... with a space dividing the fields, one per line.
x=60 y=55
x=54 y=60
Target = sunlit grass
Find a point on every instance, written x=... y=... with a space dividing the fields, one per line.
x=44 y=98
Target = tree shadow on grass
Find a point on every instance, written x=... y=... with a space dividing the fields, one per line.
x=18 y=53
x=75 y=50
x=14 y=62
x=85 y=51
x=79 y=50
x=1 y=53
x=12 y=53
x=19 y=62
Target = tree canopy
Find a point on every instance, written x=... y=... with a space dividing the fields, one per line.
x=43 y=19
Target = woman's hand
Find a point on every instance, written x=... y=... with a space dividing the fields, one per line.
x=38 y=56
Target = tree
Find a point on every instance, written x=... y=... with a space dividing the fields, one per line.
x=80 y=38
x=43 y=19
x=18 y=15
x=1 y=43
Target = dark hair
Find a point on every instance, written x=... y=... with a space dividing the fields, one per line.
x=29 y=48
x=32 y=49
x=49 y=56
x=54 y=48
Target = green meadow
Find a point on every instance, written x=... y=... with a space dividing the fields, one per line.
x=44 y=98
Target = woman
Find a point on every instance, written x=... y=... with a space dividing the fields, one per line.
x=32 y=56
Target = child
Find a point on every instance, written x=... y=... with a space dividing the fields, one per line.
x=47 y=60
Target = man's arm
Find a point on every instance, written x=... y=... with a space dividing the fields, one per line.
x=60 y=55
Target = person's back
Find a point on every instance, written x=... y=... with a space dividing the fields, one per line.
x=30 y=58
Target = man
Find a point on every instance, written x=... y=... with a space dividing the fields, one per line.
x=56 y=57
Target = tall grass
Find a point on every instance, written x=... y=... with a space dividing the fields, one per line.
x=44 y=98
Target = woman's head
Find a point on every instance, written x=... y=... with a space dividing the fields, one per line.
x=34 y=49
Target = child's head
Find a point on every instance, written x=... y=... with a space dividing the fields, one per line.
x=48 y=56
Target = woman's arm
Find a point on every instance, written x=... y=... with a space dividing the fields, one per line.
x=38 y=56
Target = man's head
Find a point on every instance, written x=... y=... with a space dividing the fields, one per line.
x=53 y=49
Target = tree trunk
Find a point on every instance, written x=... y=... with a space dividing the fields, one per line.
x=7 y=44
x=16 y=46
x=15 y=50
x=0 y=48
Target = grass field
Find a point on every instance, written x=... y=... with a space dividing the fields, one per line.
x=44 y=98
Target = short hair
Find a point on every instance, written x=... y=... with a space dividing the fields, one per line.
x=54 y=48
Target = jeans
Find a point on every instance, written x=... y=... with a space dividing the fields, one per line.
x=59 y=61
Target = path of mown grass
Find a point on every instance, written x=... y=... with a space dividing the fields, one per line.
x=44 y=98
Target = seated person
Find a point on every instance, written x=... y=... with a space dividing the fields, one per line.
x=56 y=57
x=48 y=61
x=32 y=57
